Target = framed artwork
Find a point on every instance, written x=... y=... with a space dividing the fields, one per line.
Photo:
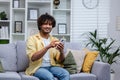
x=16 y=3
x=18 y=26
x=62 y=28
x=33 y=13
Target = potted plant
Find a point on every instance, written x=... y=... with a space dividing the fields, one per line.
x=3 y=15
x=108 y=53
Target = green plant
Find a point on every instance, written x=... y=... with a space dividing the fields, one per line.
x=3 y=15
x=104 y=46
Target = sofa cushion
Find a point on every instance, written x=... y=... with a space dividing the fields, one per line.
x=8 y=56
x=10 y=76
x=78 y=57
x=22 y=58
x=83 y=76
x=1 y=67
x=70 y=64
x=89 y=60
x=27 y=77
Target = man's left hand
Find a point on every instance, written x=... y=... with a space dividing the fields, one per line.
x=60 y=47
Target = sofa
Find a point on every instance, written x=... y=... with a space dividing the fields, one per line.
x=14 y=62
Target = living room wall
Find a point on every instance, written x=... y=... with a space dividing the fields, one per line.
x=112 y=30
x=114 y=13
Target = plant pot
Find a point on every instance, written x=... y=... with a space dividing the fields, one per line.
x=4 y=18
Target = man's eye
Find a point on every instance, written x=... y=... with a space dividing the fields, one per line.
x=50 y=24
x=47 y=24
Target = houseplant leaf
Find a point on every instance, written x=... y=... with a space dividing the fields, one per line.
x=104 y=46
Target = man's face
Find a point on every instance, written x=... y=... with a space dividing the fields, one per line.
x=46 y=28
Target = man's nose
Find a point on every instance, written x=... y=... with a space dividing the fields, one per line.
x=48 y=25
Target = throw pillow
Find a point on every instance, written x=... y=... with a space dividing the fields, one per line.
x=78 y=56
x=1 y=67
x=8 y=55
x=70 y=64
x=89 y=60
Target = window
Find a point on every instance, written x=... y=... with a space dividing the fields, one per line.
x=85 y=20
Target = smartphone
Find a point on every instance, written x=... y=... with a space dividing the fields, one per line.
x=62 y=41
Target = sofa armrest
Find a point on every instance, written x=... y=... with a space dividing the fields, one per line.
x=101 y=70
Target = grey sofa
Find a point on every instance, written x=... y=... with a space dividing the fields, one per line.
x=15 y=61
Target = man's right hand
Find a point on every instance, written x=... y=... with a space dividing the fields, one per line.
x=54 y=43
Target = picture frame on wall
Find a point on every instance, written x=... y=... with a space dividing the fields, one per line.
x=16 y=3
x=62 y=28
x=18 y=26
x=33 y=13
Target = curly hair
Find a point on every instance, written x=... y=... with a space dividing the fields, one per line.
x=46 y=18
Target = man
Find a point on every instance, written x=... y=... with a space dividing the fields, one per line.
x=46 y=52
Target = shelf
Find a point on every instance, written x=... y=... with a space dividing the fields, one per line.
x=4 y=1
x=19 y=9
x=19 y=34
x=16 y=38
x=4 y=38
x=4 y=41
x=62 y=14
x=64 y=4
x=5 y=6
x=68 y=10
x=39 y=1
x=29 y=27
x=4 y=20
x=42 y=6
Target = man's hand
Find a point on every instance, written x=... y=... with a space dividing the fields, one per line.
x=54 y=44
x=60 y=47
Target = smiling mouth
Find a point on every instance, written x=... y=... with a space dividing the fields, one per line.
x=47 y=29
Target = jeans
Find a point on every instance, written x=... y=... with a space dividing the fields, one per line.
x=48 y=73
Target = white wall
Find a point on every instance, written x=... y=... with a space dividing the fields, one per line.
x=113 y=32
x=114 y=13
x=85 y=20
